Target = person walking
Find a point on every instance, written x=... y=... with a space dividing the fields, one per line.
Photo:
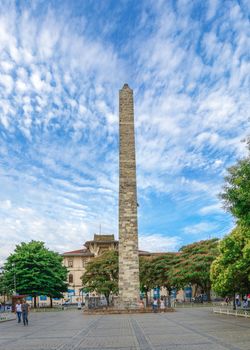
x=25 y=311
x=248 y=300
x=18 y=311
x=244 y=302
x=162 y=305
x=237 y=300
x=79 y=305
x=155 y=305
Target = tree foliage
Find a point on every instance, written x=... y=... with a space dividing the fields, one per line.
x=3 y=288
x=147 y=277
x=192 y=265
x=101 y=274
x=236 y=194
x=162 y=266
x=230 y=272
x=154 y=272
x=35 y=270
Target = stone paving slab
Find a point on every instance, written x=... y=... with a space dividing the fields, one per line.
x=202 y=346
x=119 y=342
x=186 y=329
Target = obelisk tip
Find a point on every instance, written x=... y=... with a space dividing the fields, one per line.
x=125 y=86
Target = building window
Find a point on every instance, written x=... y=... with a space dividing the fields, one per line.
x=70 y=262
x=70 y=278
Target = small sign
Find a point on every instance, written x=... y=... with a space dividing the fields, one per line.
x=173 y=293
x=157 y=293
x=188 y=292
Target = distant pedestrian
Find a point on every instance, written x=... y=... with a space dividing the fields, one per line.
x=141 y=304
x=248 y=300
x=25 y=311
x=155 y=305
x=18 y=311
x=244 y=303
x=162 y=305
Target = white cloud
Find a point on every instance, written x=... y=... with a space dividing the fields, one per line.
x=189 y=119
x=7 y=82
x=25 y=224
x=159 y=242
x=5 y=204
x=211 y=209
x=6 y=66
x=212 y=8
x=21 y=86
x=201 y=228
x=36 y=81
x=59 y=130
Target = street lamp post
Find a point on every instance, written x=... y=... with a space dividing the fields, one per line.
x=14 y=279
x=190 y=291
x=3 y=287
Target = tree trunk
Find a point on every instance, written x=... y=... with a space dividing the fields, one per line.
x=195 y=290
x=169 y=297
x=234 y=301
x=147 y=304
x=208 y=292
x=107 y=298
x=51 y=302
x=34 y=302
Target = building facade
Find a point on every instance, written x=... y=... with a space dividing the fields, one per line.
x=76 y=262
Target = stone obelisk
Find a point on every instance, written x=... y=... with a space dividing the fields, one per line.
x=128 y=231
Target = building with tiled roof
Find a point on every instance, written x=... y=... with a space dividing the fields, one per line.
x=76 y=261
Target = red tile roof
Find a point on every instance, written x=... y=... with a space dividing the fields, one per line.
x=79 y=251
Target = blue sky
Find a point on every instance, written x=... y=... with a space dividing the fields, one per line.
x=62 y=64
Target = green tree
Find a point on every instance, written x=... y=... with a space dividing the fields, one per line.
x=230 y=271
x=101 y=274
x=155 y=272
x=147 y=277
x=4 y=290
x=35 y=270
x=236 y=193
x=162 y=265
x=192 y=265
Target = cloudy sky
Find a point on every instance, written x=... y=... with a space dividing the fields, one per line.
x=62 y=64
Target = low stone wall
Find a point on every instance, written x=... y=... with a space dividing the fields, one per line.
x=110 y=311
x=7 y=316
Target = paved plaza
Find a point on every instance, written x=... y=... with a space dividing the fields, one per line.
x=186 y=329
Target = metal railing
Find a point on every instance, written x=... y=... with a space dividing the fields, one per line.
x=228 y=310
